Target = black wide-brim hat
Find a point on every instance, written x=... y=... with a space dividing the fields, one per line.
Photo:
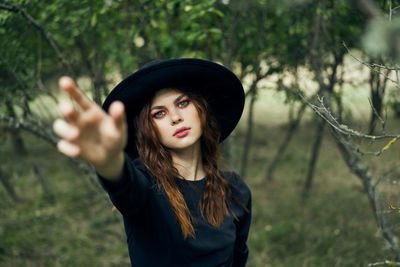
x=220 y=87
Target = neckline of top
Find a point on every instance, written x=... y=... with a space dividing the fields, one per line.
x=192 y=181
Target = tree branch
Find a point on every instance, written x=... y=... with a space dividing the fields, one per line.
x=343 y=134
x=48 y=36
x=374 y=67
x=37 y=130
x=326 y=114
x=384 y=263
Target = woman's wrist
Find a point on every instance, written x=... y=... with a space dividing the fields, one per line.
x=112 y=169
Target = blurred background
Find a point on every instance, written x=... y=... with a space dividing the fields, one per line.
x=316 y=143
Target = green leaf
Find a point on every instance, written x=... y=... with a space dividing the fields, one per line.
x=215 y=31
x=93 y=21
x=192 y=36
x=217 y=12
x=202 y=37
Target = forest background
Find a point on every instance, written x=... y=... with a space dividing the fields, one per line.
x=316 y=144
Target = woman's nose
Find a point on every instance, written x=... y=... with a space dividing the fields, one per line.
x=176 y=117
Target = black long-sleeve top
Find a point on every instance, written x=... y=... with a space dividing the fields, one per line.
x=153 y=233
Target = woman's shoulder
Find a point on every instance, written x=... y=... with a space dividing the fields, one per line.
x=237 y=184
x=233 y=178
x=138 y=165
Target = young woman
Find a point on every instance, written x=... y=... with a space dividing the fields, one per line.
x=155 y=148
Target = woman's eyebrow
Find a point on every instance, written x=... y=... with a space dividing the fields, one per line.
x=175 y=101
x=178 y=98
x=156 y=107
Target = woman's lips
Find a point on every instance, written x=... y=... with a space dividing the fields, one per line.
x=182 y=132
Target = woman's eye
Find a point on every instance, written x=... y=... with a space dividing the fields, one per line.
x=183 y=103
x=159 y=114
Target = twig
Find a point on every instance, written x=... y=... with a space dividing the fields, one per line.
x=362 y=171
x=34 y=128
x=385 y=262
x=383 y=122
x=374 y=66
x=325 y=114
x=386 y=175
x=394 y=182
x=37 y=129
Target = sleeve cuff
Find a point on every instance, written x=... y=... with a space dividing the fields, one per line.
x=113 y=186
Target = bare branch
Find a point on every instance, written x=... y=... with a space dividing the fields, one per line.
x=389 y=175
x=383 y=122
x=15 y=75
x=8 y=7
x=383 y=263
x=376 y=67
x=325 y=114
x=343 y=129
x=35 y=129
x=258 y=78
x=366 y=177
x=391 y=181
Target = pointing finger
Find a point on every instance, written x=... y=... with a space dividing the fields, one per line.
x=117 y=112
x=67 y=84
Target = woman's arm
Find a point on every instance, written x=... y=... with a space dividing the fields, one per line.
x=242 y=192
x=99 y=138
x=90 y=133
x=241 y=252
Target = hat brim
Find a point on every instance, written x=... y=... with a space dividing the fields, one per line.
x=221 y=88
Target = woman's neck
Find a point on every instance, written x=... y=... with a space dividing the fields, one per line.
x=188 y=162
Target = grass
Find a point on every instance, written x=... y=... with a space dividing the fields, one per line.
x=334 y=227
x=76 y=229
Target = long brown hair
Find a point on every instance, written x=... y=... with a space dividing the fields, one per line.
x=159 y=161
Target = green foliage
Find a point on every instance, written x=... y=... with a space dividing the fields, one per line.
x=98 y=38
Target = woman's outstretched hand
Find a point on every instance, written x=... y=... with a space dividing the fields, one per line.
x=90 y=133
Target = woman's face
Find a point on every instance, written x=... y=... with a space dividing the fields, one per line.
x=176 y=119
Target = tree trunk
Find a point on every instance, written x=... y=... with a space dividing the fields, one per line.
x=98 y=84
x=362 y=171
x=285 y=143
x=229 y=48
x=377 y=91
x=48 y=194
x=319 y=134
x=227 y=151
x=249 y=134
x=5 y=180
x=14 y=134
x=376 y=100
